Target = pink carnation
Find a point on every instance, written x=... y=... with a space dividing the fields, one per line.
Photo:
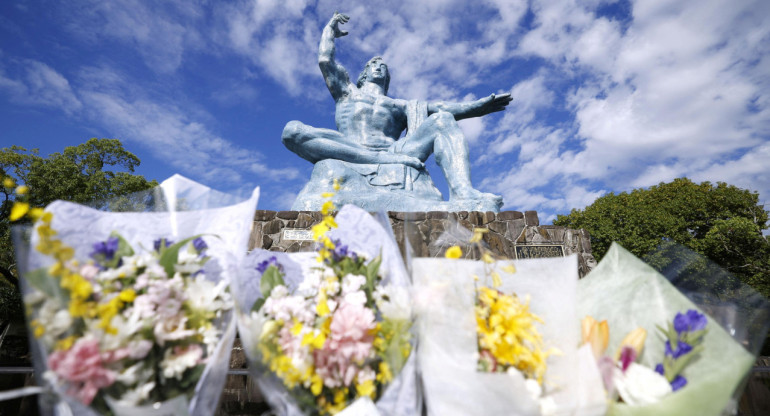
x=348 y=345
x=82 y=367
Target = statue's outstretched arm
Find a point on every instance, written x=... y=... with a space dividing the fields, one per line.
x=480 y=107
x=335 y=75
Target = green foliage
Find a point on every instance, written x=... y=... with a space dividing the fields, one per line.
x=96 y=170
x=720 y=221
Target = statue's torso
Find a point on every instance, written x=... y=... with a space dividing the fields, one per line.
x=373 y=121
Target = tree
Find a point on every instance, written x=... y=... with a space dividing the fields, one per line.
x=80 y=174
x=721 y=221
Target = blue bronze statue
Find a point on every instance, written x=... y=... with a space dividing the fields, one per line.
x=379 y=169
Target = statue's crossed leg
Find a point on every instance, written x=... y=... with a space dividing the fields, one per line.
x=439 y=134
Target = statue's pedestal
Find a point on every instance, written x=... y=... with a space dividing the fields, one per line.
x=512 y=234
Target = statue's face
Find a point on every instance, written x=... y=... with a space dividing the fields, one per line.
x=377 y=71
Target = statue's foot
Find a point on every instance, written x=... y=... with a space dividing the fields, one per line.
x=402 y=159
x=476 y=195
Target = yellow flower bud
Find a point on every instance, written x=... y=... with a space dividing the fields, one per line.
x=8 y=182
x=634 y=339
x=18 y=210
x=597 y=334
x=454 y=252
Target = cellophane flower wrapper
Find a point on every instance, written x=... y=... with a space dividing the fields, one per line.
x=629 y=293
x=216 y=226
x=367 y=237
x=448 y=355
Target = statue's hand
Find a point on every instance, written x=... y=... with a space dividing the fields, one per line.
x=334 y=23
x=494 y=103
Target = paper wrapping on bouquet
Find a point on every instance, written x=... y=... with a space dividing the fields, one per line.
x=178 y=209
x=445 y=294
x=629 y=293
x=365 y=236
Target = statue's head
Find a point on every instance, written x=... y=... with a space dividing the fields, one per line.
x=373 y=70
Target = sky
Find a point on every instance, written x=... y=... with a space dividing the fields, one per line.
x=608 y=96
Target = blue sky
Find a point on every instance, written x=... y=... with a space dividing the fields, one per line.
x=608 y=95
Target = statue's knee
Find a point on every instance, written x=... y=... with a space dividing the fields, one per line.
x=291 y=132
x=444 y=119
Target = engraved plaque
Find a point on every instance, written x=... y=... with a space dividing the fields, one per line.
x=539 y=251
x=297 y=234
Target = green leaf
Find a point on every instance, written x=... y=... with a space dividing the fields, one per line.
x=124 y=250
x=271 y=278
x=42 y=281
x=258 y=305
x=170 y=256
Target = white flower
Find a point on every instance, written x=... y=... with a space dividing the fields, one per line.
x=172 y=329
x=533 y=387
x=355 y=298
x=366 y=374
x=133 y=374
x=393 y=302
x=133 y=397
x=352 y=283
x=139 y=348
x=311 y=282
x=55 y=319
x=279 y=291
x=187 y=256
x=206 y=295
x=210 y=336
x=640 y=385
x=177 y=360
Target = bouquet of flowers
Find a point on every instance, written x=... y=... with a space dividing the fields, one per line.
x=681 y=370
x=143 y=325
x=329 y=332
x=498 y=337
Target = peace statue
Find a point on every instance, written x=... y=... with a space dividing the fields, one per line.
x=379 y=169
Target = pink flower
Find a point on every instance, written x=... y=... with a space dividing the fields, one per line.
x=82 y=367
x=348 y=345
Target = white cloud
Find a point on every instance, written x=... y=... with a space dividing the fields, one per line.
x=160 y=33
x=684 y=91
x=182 y=142
x=40 y=85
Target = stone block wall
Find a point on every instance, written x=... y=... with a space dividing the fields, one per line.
x=507 y=230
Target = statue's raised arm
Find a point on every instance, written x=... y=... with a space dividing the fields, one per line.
x=490 y=104
x=335 y=75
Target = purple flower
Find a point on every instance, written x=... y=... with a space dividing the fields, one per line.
x=106 y=249
x=272 y=261
x=341 y=252
x=166 y=242
x=200 y=245
x=678 y=383
x=659 y=369
x=682 y=348
x=690 y=321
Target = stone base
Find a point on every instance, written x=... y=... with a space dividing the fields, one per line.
x=512 y=234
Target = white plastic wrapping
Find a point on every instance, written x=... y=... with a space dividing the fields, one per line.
x=629 y=293
x=178 y=209
x=448 y=348
x=365 y=236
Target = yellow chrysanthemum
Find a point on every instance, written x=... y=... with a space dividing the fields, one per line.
x=506 y=329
